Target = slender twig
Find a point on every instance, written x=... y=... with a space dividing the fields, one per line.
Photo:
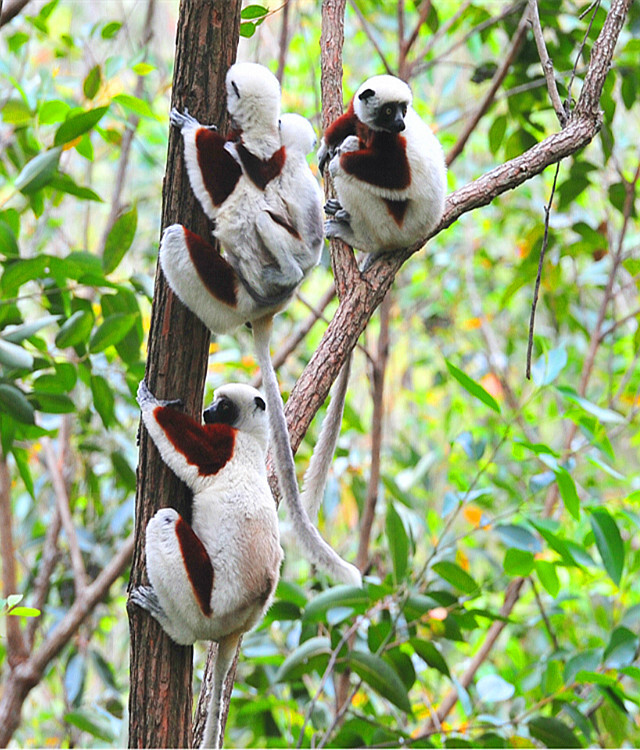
x=425 y=9
x=64 y=509
x=283 y=45
x=543 y=614
x=594 y=6
x=371 y=37
x=547 y=64
x=377 y=394
x=617 y=323
x=536 y=290
x=496 y=82
x=16 y=647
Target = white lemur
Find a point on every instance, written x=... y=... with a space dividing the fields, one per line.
x=256 y=185
x=213 y=579
x=196 y=271
x=246 y=178
x=388 y=170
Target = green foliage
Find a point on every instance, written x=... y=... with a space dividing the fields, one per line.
x=490 y=483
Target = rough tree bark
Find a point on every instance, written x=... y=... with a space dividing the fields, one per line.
x=160 y=700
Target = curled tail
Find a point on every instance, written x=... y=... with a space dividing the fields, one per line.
x=316 y=549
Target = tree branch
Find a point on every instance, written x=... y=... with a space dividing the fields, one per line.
x=547 y=64
x=496 y=82
x=10 y=11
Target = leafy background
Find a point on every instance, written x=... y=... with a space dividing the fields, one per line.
x=488 y=482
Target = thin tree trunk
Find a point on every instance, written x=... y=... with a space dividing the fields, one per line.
x=160 y=701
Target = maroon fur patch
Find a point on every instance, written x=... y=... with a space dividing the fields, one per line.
x=382 y=161
x=397 y=209
x=197 y=564
x=214 y=271
x=346 y=124
x=283 y=223
x=209 y=447
x=261 y=171
x=220 y=171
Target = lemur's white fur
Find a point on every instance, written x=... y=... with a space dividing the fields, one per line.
x=234 y=517
x=366 y=221
x=270 y=250
x=248 y=226
x=314 y=546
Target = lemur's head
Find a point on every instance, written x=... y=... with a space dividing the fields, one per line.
x=297 y=133
x=253 y=97
x=381 y=103
x=242 y=407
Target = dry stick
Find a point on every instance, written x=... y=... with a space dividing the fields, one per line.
x=425 y=9
x=292 y=341
x=536 y=290
x=543 y=614
x=377 y=394
x=355 y=311
x=496 y=82
x=547 y=64
x=367 y=30
x=420 y=67
x=9 y=11
x=64 y=509
x=16 y=648
x=284 y=41
x=127 y=137
x=41 y=585
x=28 y=673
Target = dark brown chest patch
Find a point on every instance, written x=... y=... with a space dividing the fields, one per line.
x=197 y=564
x=261 y=171
x=397 y=210
x=208 y=447
x=220 y=171
x=382 y=161
x=214 y=271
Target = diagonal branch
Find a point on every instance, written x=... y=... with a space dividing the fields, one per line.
x=547 y=64
x=366 y=293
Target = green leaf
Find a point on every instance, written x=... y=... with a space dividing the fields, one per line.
x=517 y=536
x=621 y=649
x=253 y=11
x=38 y=172
x=14 y=356
x=568 y=492
x=84 y=720
x=548 y=576
x=76 y=125
x=379 y=675
x=552 y=732
x=111 y=29
x=143 y=69
x=103 y=399
x=430 y=654
x=119 y=239
x=24 y=612
x=337 y=596
x=456 y=576
x=398 y=543
x=14 y=402
x=518 y=562
x=65 y=184
x=8 y=241
x=53 y=403
x=135 y=105
x=111 y=331
x=53 y=111
x=307 y=657
x=75 y=330
x=16 y=112
x=19 y=333
x=91 y=84
x=21 y=457
x=609 y=543
x=606 y=416
x=493 y=689
x=74 y=678
x=475 y=389
x=547 y=368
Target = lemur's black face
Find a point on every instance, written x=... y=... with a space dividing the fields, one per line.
x=222 y=411
x=390 y=117
x=387 y=116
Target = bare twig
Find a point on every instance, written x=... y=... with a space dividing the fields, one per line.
x=496 y=82
x=64 y=510
x=26 y=675
x=377 y=394
x=543 y=614
x=283 y=44
x=10 y=10
x=547 y=64
x=16 y=647
x=536 y=290
x=370 y=36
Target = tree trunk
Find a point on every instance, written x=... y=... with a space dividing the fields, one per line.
x=160 y=701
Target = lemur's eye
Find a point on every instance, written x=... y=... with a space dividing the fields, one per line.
x=388 y=110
